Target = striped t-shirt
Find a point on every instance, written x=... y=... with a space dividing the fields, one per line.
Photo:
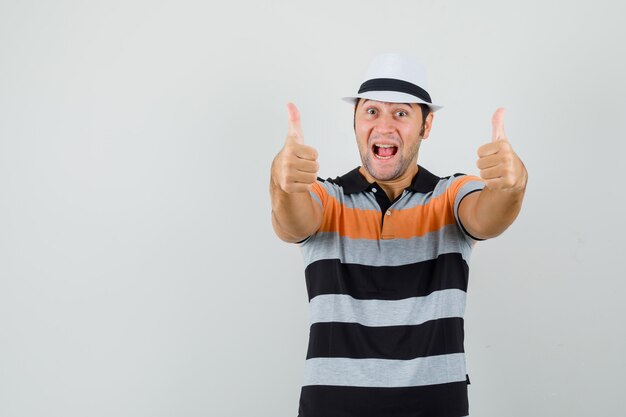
x=387 y=283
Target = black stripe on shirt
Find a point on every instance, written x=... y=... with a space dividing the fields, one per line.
x=330 y=276
x=353 y=340
x=441 y=400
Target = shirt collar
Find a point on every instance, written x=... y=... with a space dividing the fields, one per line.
x=355 y=182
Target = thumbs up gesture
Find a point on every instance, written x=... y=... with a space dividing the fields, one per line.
x=500 y=167
x=295 y=167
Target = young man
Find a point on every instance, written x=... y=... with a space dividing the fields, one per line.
x=386 y=248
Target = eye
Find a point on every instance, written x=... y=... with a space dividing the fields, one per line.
x=401 y=113
x=371 y=111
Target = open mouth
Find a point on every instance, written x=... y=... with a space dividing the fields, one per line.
x=384 y=151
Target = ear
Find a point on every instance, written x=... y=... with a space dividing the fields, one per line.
x=428 y=124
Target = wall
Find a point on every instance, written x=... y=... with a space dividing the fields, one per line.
x=139 y=275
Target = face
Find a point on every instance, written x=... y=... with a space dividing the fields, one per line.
x=388 y=136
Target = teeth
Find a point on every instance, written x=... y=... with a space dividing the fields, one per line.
x=385 y=146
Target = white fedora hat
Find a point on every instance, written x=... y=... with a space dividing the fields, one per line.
x=395 y=78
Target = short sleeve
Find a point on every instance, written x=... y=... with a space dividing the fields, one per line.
x=319 y=193
x=460 y=187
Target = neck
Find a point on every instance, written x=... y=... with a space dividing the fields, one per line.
x=393 y=188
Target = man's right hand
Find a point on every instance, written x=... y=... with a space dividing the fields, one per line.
x=295 y=168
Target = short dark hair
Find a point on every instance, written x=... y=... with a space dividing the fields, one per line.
x=425 y=112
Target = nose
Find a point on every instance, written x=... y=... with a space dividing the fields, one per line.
x=385 y=124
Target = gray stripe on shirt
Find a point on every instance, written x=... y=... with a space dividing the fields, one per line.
x=391 y=252
x=385 y=373
x=377 y=313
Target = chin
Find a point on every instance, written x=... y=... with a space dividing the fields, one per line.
x=384 y=175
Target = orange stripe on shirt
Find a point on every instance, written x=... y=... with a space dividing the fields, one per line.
x=358 y=223
x=350 y=222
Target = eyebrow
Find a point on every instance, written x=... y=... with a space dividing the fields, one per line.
x=406 y=104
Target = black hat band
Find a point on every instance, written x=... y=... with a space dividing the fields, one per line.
x=392 y=84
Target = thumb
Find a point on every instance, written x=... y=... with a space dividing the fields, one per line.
x=497 y=125
x=295 y=130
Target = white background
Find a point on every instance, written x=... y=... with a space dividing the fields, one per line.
x=139 y=275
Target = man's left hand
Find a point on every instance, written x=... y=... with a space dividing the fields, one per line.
x=500 y=167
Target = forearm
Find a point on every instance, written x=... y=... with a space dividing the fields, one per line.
x=295 y=216
x=495 y=211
